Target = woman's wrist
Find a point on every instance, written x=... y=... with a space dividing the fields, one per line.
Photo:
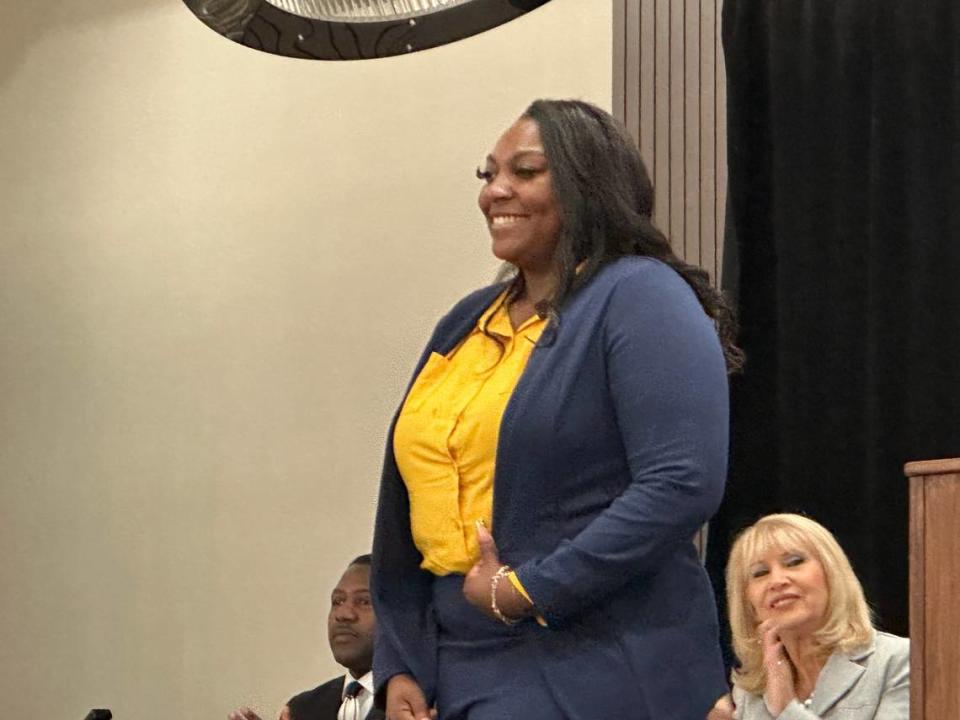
x=506 y=602
x=498 y=596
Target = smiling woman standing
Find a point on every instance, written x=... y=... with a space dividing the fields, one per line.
x=563 y=438
x=802 y=630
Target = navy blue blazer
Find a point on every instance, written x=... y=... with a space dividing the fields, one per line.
x=612 y=452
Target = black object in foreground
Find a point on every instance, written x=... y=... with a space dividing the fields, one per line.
x=98 y=714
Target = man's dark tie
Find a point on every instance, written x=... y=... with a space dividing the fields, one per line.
x=350 y=707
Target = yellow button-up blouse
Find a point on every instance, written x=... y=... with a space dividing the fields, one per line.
x=445 y=440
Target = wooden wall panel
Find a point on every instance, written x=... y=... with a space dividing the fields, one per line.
x=669 y=91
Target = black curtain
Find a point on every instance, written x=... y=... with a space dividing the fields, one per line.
x=844 y=249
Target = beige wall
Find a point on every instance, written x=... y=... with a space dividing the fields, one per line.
x=218 y=267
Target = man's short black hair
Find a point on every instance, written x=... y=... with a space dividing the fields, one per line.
x=361 y=560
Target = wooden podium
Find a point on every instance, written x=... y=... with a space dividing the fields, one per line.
x=934 y=589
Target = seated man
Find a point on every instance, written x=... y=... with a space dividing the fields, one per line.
x=350 y=627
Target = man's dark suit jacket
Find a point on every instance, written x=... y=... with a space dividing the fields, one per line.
x=323 y=702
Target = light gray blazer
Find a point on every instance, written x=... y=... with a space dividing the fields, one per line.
x=868 y=684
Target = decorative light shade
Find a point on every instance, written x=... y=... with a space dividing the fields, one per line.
x=227 y=17
x=353 y=29
x=363 y=10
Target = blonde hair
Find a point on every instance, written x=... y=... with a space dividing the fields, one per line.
x=847 y=624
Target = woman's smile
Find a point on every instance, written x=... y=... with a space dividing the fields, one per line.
x=502 y=221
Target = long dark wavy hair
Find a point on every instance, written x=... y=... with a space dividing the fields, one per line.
x=605 y=197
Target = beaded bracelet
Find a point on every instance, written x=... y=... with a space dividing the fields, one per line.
x=494 y=584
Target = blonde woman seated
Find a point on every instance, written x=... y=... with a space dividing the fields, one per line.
x=802 y=631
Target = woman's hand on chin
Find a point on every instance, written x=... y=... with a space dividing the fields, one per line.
x=780 y=684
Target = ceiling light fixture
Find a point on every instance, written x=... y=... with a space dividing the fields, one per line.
x=354 y=29
x=363 y=10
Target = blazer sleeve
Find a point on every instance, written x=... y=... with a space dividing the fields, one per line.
x=401 y=590
x=666 y=380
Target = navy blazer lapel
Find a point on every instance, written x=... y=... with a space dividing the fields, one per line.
x=462 y=320
x=449 y=332
x=840 y=673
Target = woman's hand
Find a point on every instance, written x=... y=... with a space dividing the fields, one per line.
x=722 y=709
x=246 y=713
x=406 y=701
x=780 y=688
x=243 y=713
x=476 y=584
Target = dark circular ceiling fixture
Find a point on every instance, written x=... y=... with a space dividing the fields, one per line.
x=353 y=29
